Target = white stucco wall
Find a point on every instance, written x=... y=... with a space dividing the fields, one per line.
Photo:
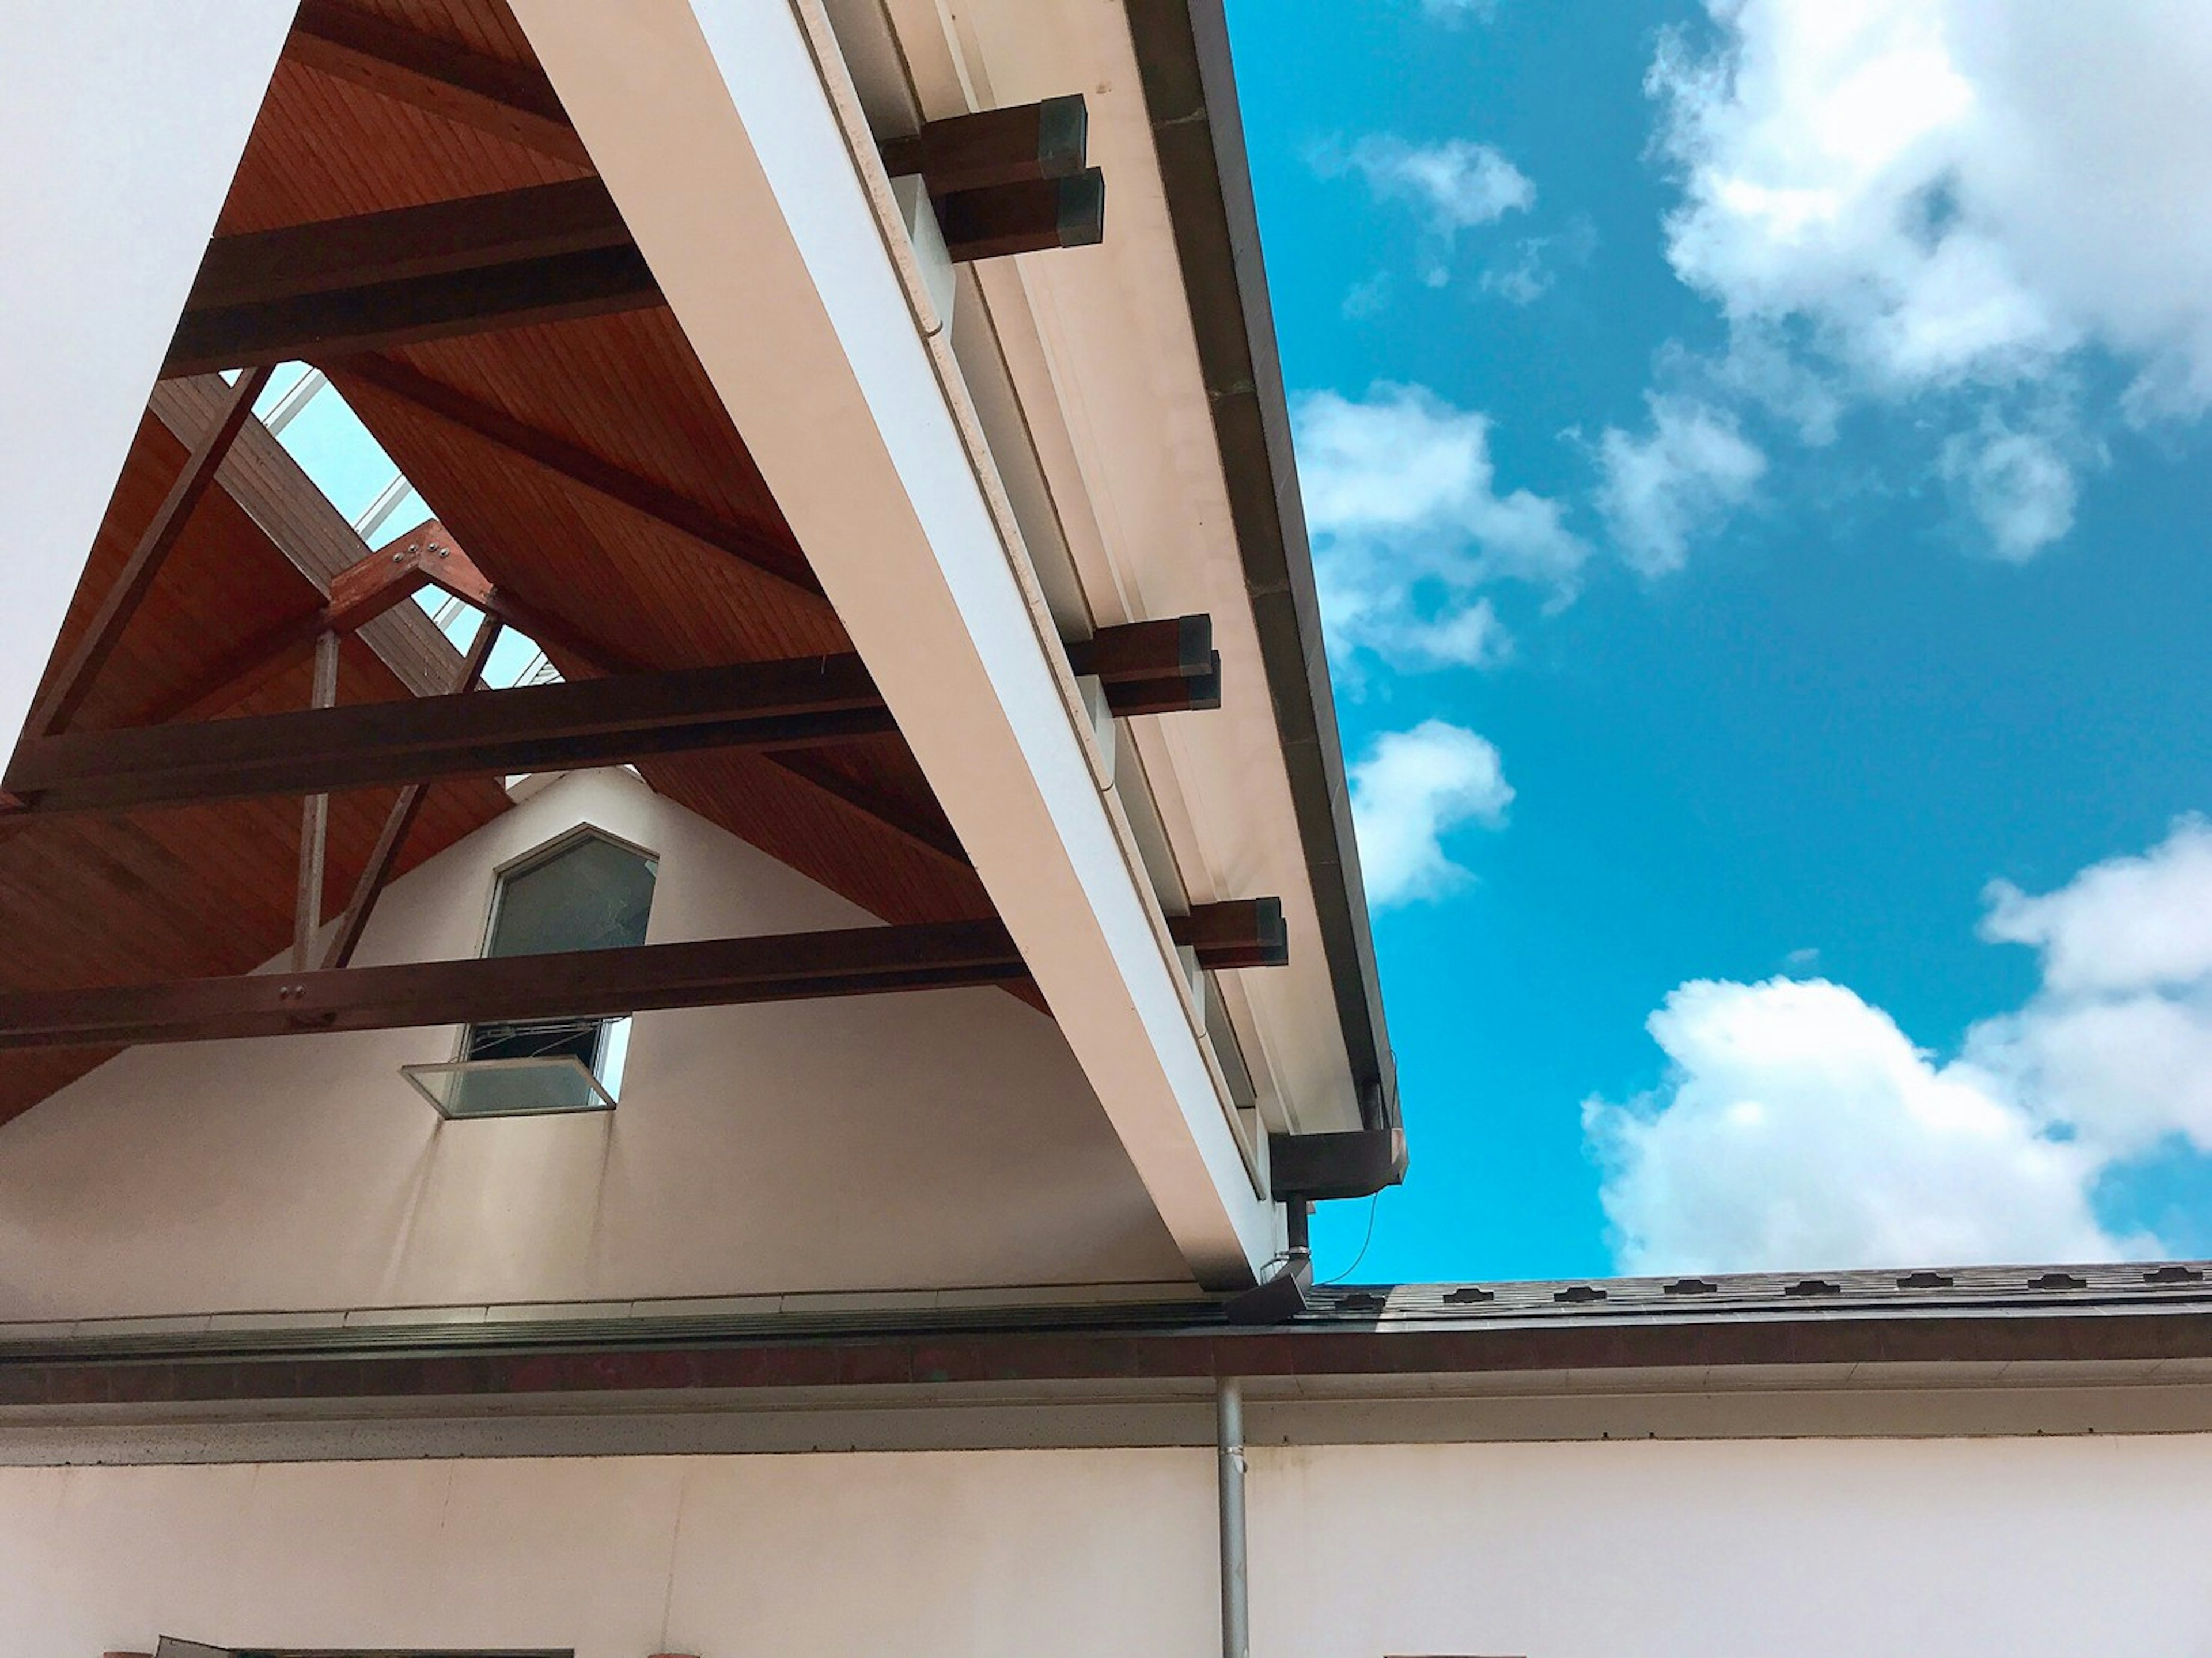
x=122 y=123
x=1814 y=1549
x=919 y=1141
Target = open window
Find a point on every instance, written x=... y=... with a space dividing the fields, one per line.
x=585 y=891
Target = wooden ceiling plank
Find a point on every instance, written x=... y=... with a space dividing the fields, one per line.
x=513 y=101
x=385 y=855
x=579 y=465
x=73 y=682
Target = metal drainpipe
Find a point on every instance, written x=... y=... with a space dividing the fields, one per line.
x=1235 y=1598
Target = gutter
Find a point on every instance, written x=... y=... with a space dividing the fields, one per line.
x=1190 y=95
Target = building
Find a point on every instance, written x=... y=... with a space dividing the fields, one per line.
x=790 y=1129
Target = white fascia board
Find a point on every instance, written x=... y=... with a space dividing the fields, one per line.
x=123 y=122
x=713 y=125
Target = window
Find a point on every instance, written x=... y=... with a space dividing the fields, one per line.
x=585 y=891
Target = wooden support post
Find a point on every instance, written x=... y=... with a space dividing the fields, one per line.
x=400 y=819
x=314 y=820
x=73 y=682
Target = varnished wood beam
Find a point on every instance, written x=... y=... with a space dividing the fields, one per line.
x=1023 y=218
x=384 y=857
x=69 y=686
x=766 y=706
x=441 y=239
x=575 y=464
x=514 y=101
x=409 y=311
x=582 y=984
x=1242 y=933
x=1015 y=145
x=314 y=820
x=793 y=704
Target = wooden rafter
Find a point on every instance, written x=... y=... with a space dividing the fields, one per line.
x=509 y=101
x=72 y=683
x=578 y=466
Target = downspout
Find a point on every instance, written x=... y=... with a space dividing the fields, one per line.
x=1235 y=1598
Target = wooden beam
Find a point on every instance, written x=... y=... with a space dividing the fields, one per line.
x=442 y=239
x=514 y=101
x=1017 y=145
x=384 y=857
x=595 y=984
x=768 y=705
x=314 y=820
x=583 y=984
x=1243 y=932
x=577 y=465
x=72 y=683
x=408 y=312
x=1025 y=218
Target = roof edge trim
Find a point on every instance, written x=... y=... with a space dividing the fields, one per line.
x=1183 y=56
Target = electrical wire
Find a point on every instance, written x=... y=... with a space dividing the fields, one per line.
x=1373 y=1203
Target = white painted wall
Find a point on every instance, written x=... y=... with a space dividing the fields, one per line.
x=918 y=1141
x=122 y=123
x=1813 y=1549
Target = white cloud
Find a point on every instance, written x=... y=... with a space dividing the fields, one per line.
x=2127 y=923
x=1413 y=788
x=2118 y=1043
x=1454 y=185
x=1459 y=11
x=1799 y=1128
x=1684 y=476
x=1408 y=526
x=2019 y=485
x=1960 y=196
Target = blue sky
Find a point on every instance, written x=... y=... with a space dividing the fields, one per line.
x=1754 y=466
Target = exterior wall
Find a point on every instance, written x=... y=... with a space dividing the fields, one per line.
x=923 y=1141
x=122 y=123
x=1817 y=1549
